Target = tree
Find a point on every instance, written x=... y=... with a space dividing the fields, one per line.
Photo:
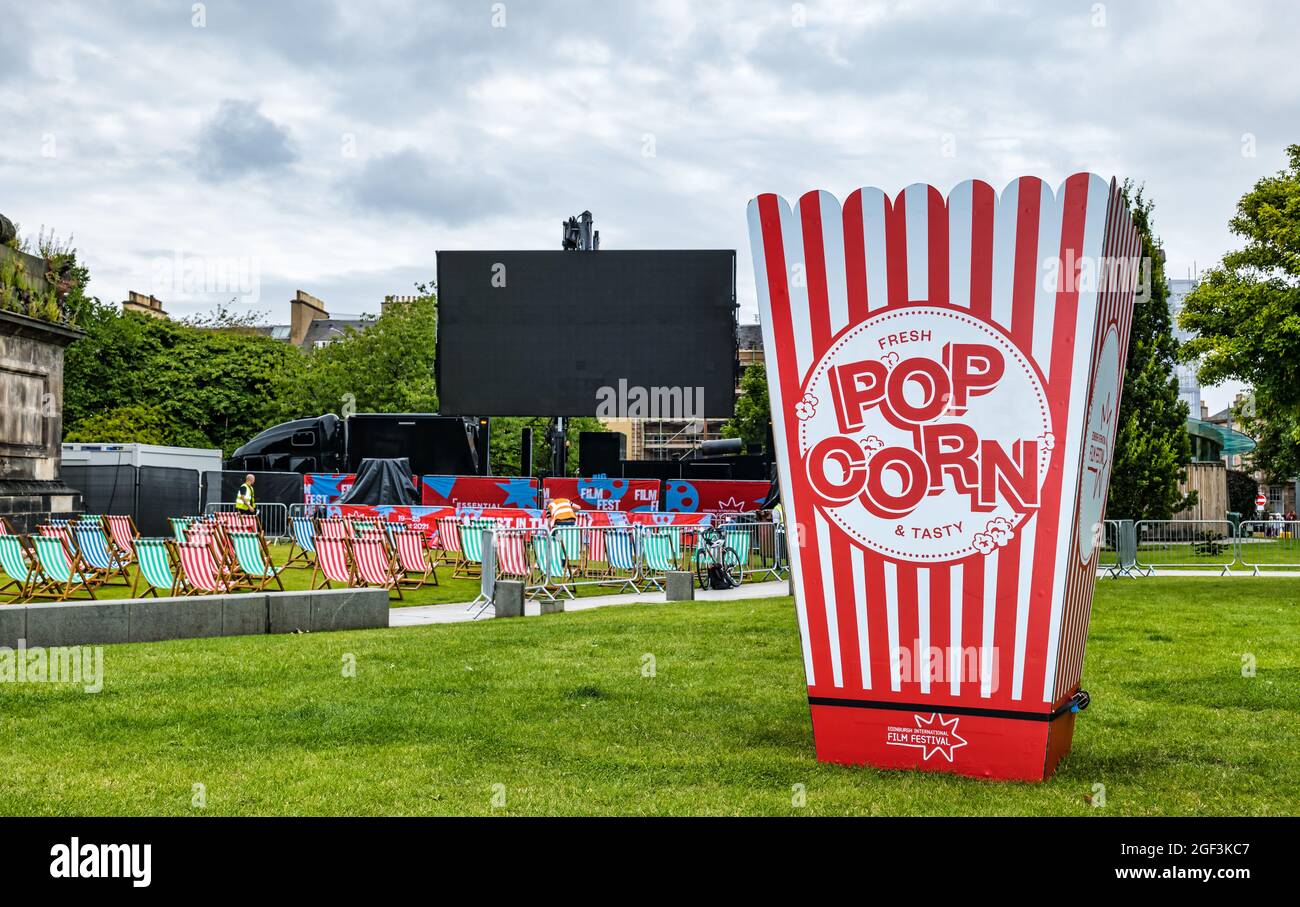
x=387 y=367
x=1151 y=445
x=1246 y=315
x=753 y=411
x=210 y=388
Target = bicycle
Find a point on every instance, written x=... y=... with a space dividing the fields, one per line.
x=716 y=565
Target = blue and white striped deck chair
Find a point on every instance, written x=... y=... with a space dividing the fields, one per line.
x=471 y=548
x=98 y=554
x=553 y=572
x=621 y=555
x=661 y=552
x=302 y=542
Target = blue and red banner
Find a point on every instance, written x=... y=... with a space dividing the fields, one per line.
x=326 y=488
x=599 y=493
x=717 y=496
x=480 y=491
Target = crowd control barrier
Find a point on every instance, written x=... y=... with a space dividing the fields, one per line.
x=273 y=517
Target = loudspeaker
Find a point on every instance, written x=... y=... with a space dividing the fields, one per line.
x=599 y=452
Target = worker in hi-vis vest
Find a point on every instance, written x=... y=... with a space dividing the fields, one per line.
x=562 y=512
x=244 y=501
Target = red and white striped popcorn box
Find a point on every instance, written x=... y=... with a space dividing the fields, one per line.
x=945 y=375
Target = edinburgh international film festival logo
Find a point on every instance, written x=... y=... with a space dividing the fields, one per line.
x=925 y=434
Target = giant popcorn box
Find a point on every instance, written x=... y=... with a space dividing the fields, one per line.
x=945 y=376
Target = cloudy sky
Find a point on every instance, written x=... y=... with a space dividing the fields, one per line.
x=248 y=149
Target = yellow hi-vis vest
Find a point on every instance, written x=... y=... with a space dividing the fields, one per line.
x=244 y=501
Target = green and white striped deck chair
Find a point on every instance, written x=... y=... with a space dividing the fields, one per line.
x=254 y=560
x=179 y=524
x=157 y=567
x=570 y=541
x=661 y=551
x=471 y=548
x=552 y=571
x=64 y=573
x=19 y=567
x=738 y=544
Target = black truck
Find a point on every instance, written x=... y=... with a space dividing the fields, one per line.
x=435 y=445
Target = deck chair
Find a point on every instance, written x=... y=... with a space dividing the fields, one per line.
x=6 y=527
x=18 y=565
x=302 y=536
x=738 y=544
x=449 y=541
x=661 y=553
x=570 y=541
x=156 y=565
x=375 y=564
x=200 y=569
x=552 y=569
x=333 y=563
x=100 y=556
x=617 y=549
x=413 y=559
x=254 y=559
x=123 y=533
x=512 y=555
x=471 y=549
x=63 y=571
x=329 y=527
x=179 y=524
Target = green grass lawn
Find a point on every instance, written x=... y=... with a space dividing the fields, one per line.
x=557 y=711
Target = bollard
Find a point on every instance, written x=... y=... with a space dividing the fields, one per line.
x=508 y=600
x=552 y=605
x=680 y=586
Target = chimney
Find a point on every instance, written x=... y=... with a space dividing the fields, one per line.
x=303 y=310
x=390 y=300
x=144 y=305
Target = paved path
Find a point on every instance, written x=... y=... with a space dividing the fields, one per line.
x=458 y=612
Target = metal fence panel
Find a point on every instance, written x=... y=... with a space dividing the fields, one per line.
x=1207 y=544
x=274 y=517
x=1265 y=544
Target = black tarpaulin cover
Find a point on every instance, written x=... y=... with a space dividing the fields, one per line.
x=382 y=482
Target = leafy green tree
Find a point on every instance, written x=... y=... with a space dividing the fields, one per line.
x=1151 y=445
x=1246 y=315
x=753 y=411
x=388 y=367
x=212 y=388
x=133 y=424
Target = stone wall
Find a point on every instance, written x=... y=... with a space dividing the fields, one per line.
x=31 y=420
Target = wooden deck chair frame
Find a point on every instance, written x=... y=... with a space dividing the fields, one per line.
x=256 y=546
x=48 y=548
x=168 y=549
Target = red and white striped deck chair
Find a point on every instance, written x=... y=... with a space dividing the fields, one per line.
x=449 y=540
x=330 y=527
x=512 y=555
x=200 y=569
x=370 y=530
x=122 y=532
x=413 y=559
x=236 y=521
x=375 y=564
x=333 y=563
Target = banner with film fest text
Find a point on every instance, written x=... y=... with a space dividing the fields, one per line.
x=945 y=374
